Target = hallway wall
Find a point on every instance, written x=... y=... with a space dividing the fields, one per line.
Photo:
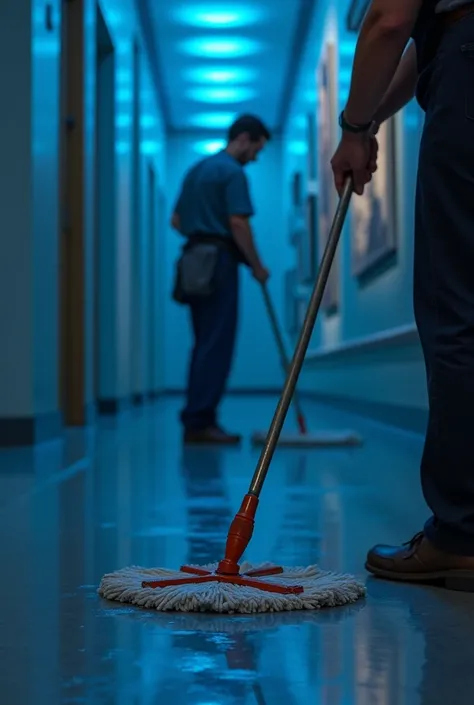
x=384 y=376
x=256 y=365
x=125 y=325
x=30 y=52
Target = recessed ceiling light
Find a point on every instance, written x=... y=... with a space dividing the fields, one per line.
x=209 y=146
x=219 y=74
x=221 y=95
x=212 y=120
x=212 y=15
x=225 y=47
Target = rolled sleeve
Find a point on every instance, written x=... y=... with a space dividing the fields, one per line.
x=238 y=195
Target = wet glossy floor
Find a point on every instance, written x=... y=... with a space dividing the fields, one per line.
x=128 y=494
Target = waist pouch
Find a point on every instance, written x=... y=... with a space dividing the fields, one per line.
x=196 y=267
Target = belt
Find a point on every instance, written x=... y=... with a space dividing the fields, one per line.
x=226 y=242
x=449 y=18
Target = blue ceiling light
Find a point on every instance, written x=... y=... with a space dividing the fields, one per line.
x=218 y=16
x=223 y=48
x=147 y=121
x=212 y=120
x=123 y=120
x=209 y=146
x=221 y=95
x=124 y=96
x=219 y=74
x=150 y=147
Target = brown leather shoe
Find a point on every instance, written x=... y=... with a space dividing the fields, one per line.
x=211 y=436
x=418 y=561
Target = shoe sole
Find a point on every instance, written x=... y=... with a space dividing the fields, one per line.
x=459 y=580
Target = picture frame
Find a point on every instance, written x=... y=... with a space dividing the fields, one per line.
x=311 y=140
x=297 y=189
x=327 y=143
x=374 y=215
x=309 y=247
x=291 y=311
x=295 y=214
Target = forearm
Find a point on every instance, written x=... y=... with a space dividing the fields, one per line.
x=175 y=223
x=379 y=49
x=242 y=234
x=402 y=88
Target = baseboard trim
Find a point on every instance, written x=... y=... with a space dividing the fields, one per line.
x=30 y=430
x=111 y=407
x=407 y=418
x=236 y=392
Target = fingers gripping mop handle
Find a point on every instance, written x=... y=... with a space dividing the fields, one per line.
x=285 y=362
x=241 y=529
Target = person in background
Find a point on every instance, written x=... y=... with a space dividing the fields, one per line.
x=438 y=66
x=214 y=206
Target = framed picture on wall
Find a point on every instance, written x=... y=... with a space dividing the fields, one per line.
x=291 y=311
x=309 y=245
x=327 y=144
x=374 y=215
x=296 y=208
x=311 y=142
x=303 y=252
x=297 y=189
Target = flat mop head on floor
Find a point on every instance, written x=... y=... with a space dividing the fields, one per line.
x=322 y=439
x=320 y=589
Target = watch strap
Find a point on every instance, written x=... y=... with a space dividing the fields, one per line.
x=349 y=127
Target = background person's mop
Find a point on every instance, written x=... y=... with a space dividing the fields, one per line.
x=303 y=438
x=227 y=587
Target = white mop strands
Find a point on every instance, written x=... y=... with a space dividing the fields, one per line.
x=320 y=439
x=320 y=589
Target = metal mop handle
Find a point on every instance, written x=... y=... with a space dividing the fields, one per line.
x=303 y=342
x=281 y=349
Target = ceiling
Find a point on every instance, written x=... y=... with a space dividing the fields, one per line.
x=213 y=60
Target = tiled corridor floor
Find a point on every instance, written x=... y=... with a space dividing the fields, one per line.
x=128 y=493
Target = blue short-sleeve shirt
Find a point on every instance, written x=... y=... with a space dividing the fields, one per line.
x=213 y=190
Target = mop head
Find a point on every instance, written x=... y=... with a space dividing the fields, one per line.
x=321 y=589
x=312 y=440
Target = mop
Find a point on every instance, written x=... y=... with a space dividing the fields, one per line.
x=303 y=439
x=227 y=587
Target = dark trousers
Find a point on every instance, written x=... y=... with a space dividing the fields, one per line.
x=214 y=323
x=444 y=287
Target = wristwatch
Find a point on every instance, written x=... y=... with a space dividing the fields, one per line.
x=349 y=127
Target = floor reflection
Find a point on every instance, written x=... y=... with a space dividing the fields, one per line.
x=129 y=494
